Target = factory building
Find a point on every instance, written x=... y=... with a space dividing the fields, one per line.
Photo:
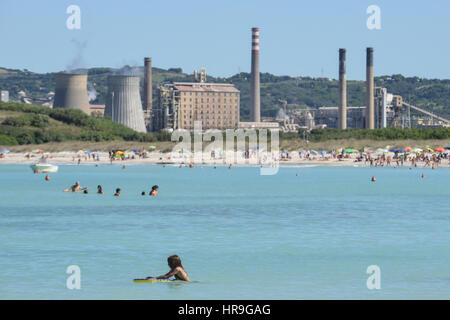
x=182 y=103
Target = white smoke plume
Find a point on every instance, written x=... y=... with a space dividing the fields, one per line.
x=92 y=93
x=129 y=71
x=282 y=115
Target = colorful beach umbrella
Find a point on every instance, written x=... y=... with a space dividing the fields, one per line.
x=430 y=150
x=439 y=149
x=408 y=149
x=350 y=150
x=38 y=150
x=4 y=150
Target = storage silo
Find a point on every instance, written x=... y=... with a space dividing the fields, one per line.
x=71 y=92
x=123 y=103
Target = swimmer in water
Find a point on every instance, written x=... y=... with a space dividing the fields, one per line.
x=143 y=193
x=100 y=189
x=117 y=194
x=85 y=191
x=154 y=191
x=176 y=270
x=75 y=188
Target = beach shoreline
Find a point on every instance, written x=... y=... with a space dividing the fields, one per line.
x=155 y=158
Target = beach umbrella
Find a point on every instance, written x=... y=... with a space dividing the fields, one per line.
x=4 y=150
x=394 y=150
x=135 y=150
x=120 y=152
x=430 y=150
x=447 y=148
x=37 y=150
x=314 y=152
x=322 y=152
x=439 y=149
x=408 y=149
x=350 y=150
x=89 y=152
x=417 y=150
x=152 y=148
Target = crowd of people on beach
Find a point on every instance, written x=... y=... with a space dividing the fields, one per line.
x=426 y=160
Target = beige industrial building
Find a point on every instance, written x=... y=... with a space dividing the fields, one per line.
x=183 y=103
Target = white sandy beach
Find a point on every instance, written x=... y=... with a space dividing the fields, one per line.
x=206 y=159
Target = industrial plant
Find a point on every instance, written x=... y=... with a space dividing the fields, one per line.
x=217 y=105
x=382 y=109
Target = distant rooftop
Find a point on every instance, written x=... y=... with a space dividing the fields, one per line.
x=205 y=87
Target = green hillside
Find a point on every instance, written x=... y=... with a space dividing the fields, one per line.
x=430 y=94
x=28 y=124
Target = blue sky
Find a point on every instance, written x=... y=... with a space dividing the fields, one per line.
x=298 y=38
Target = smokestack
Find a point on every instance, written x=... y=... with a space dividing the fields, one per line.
x=342 y=113
x=148 y=84
x=71 y=92
x=370 y=109
x=123 y=102
x=255 y=106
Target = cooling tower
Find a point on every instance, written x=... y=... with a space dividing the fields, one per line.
x=255 y=105
x=342 y=113
x=148 y=84
x=123 y=103
x=71 y=92
x=370 y=108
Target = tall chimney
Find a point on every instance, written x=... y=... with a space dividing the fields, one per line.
x=255 y=106
x=148 y=84
x=370 y=109
x=342 y=113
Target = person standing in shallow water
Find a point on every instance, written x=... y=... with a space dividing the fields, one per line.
x=117 y=194
x=75 y=188
x=154 y=192
x=176 y=270
x=100 y=189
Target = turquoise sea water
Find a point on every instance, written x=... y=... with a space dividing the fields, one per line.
x=240 y=235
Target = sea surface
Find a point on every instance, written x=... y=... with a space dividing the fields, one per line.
x=240 y=235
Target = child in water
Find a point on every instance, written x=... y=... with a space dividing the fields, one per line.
x=176 y=269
